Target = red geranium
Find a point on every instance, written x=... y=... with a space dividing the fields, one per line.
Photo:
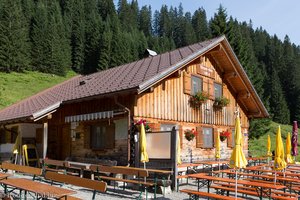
x=190 y=134
x=225 y=134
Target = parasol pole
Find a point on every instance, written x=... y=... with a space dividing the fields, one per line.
x=275 y=178
x=235 y=183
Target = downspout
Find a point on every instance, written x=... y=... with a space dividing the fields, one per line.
x=128 y=126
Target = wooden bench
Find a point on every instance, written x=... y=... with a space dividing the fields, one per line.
x=295 y=188
x=96 y=186
x=139 y=173
x=248 y=192
x=59 y=166
x=35 y=172
x=206 y=194
x=281 y=193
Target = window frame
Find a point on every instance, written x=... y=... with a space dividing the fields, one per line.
x=212 y=137
x=108 y=144
x=201 y=84
x=221 y=87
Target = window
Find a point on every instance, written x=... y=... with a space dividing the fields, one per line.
x=218 y=90
x=102 y=136
x=208 y=137
x=196 y=84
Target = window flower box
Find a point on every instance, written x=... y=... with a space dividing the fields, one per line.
x=224 y=135
x=190 y=134
x=197 y=99
x=221 y=102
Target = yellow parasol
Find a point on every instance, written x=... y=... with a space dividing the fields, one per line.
x=279 y=162
x=269 y=153
x=288 y=144
x=178 y=149
x=237 y=159
x=218 y=147
x=16 y=147
x=144 y=154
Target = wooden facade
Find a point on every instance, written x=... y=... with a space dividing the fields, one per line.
x=168 y=103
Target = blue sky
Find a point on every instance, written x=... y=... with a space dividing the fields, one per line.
x=276 y=16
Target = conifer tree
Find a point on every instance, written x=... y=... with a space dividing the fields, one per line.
x=14 y=39
x=200 y=25
x=218 y=24
x=145 y=20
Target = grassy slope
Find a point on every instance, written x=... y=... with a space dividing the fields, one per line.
x=258 y=147
x=17 y=86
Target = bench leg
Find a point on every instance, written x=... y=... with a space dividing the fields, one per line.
x=94 y=195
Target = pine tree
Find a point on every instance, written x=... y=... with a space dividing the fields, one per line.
x=14 y=41
x=200 y=25
x=93 y=31
x=74 y=17
x=145 y=20
x=106 y=8
x=218 y=24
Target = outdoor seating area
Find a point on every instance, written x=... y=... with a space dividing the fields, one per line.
x=47 y=182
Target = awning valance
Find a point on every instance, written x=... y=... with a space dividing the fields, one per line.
x=92 y=116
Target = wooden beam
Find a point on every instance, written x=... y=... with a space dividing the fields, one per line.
x=216 y=49
x=254 y=114
x=243 y=95
x=229 y=75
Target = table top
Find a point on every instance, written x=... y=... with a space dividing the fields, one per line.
x=189 y=165
x=159 y=171
x=212 y=162
x=287 y=173
x=39 y=188
x=243 y=182
x=4 y=175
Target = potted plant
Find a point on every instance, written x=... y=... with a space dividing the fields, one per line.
x=197 y=99
x=224 y=135
x=190 y=134
x=146 y=125
x=221 y=102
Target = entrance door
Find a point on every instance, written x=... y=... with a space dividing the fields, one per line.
x=65 y=142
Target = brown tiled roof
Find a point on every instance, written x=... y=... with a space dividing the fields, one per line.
x=136 y=75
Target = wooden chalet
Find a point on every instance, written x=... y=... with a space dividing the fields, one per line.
x=89 y=118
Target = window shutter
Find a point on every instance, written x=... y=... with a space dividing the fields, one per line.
x=205 y=85
x=215 y=132
x=199 y=138
x=180 y=135
x=230 y=140
x=110 y=139
x=211 y=89
x=87 y=137
x=187 y=85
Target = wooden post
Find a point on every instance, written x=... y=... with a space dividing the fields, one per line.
x=45 y=139
x=174 y=157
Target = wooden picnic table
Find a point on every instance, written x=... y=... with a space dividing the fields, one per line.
x=208 y=164
x=4 y=175
x=41 y=190
x=207 y=181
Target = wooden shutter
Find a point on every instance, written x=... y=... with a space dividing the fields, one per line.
x=215 y=132
x=211 y=89
x=180 y=135
x=205 y=85
x=87 y=137
x=230 y=140
x=110 y=136
x=187 y=84
x=199 y=138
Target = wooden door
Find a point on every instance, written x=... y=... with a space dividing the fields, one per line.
x=65 y=142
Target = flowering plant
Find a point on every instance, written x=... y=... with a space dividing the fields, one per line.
x=224 y=135
x=221 y=102
x=146 y=125
x=190 y=134
x=197 y=99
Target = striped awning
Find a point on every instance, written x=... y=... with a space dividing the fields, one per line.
x=89 y=116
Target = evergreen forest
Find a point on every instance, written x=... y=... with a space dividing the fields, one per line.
x=91 y=35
